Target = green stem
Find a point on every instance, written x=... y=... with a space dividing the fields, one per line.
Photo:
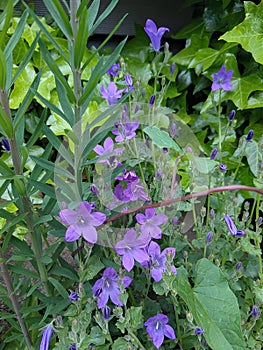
x=136 y=340
x=179 y=335
x=219 y=123
x=13 y=299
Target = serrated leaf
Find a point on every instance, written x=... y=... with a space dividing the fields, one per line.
x=161 y=138
x=249 y=33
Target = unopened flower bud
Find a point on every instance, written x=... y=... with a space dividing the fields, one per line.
x=152 y=100
x=250 y=135
x=209 y=237
x=172 y=68
x=254 y=311
x=239 y=265
x=222 y=167
x=213 y=153
x=232 y=115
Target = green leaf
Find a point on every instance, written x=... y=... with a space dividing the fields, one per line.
x=59 y=287
x=161 y=138
x=95 y=266
x=249 y=33
x=59 y=14
x=213 y=305
x=104 y=15
x=253 y=152
x=82 y=38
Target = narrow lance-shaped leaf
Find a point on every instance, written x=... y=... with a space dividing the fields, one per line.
x=7 y=16
x=81 y=39
x=104 y=15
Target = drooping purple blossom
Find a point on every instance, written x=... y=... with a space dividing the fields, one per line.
x=158 y=260
x=107 y=148
x=82 y=222
x=132 y=248
x=232 y=227
x=221 y=80
x=157 y=327
x=155 y=34
x=108 y=286
x=114 y=70
x=112 y=94
x=45 y=340
x=125 y=131
x=119 y=193
x=250 y=135
x=150 y=223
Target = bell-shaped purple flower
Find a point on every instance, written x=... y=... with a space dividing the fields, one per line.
x=221 y=80
x=82 y=222
x=47 y=334
x=155 y=34
x=107 y=148
x=232 y=227
x=114 y=70
x=157 y=327
x=108 y=286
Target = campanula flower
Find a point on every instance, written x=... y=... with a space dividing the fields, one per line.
x=209 y=237
x=150 y=223
x=129 y=83
x=125 y=131
x=152 y=100
x=108 y=287
x=48 y=331
x=221 y=80
x=232 y=115
x=112 y=94
x=232 y=227
x=132 y=248
x=128 y=176
x=107 y=148
x=199 y=331
x=155 y=34
x=213 y=153
x=158 y=260
x=73 y=296
x=250 y=135
x=82 y=222
x=114 y=70
x=223 y=167
x=157 y=328
x=72 y=347
x=106 y=312
x=135 y=191
x=254 y=311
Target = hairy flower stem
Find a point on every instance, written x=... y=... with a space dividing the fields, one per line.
x=26 y=203
x=13 y=299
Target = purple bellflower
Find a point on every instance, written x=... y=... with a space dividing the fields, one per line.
x=107 y=149
x=108 y=287
x=152 y=100
x=73 y=296
x=155 y=34
x=48 y=331
x=221 y=80
x=213 y=153
x=135 y=191
x=199 y=331
x=119 y=193
x=223 y=167
x=150 y=223
x=128 y=176
x=114 y=70
x=72 y=347
x=158 y=260
x=112 y=94
x=157 y=328
x=132 y=248
x=125 y=131
x=129 y=83
x=82 y=222
x=231 y=115
x=232 y=227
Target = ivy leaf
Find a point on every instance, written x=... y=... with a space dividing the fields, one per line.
x=254 y=156
x=249 y=33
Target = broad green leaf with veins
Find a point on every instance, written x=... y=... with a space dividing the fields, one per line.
x=249 y=33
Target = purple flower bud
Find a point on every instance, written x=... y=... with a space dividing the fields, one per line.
x=199 y=331
x=72 y=347
x=44 y=345
x=239 y=265
x=128 y=80
x=159 y=174
x=172 y=68
x=5 y=144
x=114 y=70
x=209 y=237
x=232 y=115
x=152 y=100
x=260 y=220
x=137 y=108
x=165 y=149
x=143 y=92
x=212 y=213
x=254 y=311
x=106 y=313
x=213 y=153
x=73 y=296
x=175 y=221
x=250 y=135
x=94 y=189
x=222 y=167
